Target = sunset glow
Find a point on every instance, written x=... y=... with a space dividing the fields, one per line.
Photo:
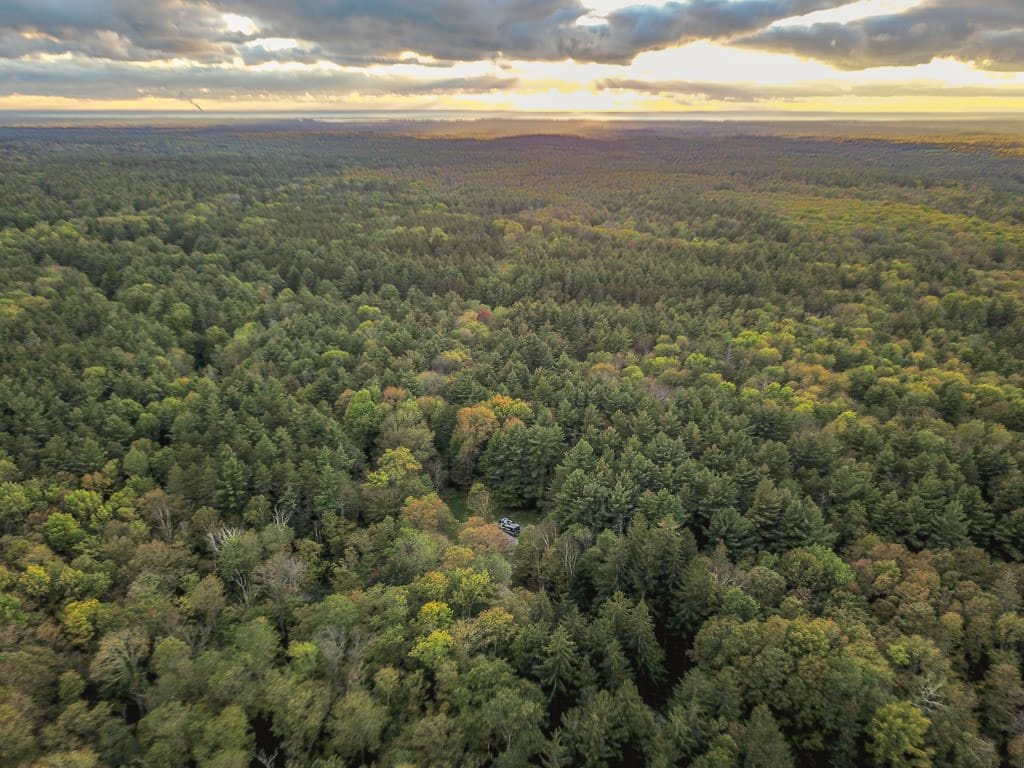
x=547 y=56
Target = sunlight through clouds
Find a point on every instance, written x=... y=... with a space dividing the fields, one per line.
x=546 y=55
x=862 y=9
x=240 y=24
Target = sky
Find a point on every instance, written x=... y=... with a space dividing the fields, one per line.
x=588 y=56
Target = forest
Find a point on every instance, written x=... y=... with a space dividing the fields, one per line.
x=757 y=402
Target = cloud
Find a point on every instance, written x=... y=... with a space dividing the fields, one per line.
x=685 y=90
x=990 y=34
x=91 y=78
x=253 y=55
x=736 y=92
x=327 y=48
x=136 y=30
x=360 y=32
x=632 y=30
x=351 y=31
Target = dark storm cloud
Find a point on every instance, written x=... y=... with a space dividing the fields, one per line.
x=989 y=33
x=756 y=92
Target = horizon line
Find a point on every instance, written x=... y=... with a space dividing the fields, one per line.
x=327 y=116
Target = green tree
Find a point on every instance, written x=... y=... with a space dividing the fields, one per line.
x=119 y=666
x=398 y=476
x=896 y=736
x=356 y=725
x=762 y=744
x=559 y=668
x=362 y=417
x=232 y=482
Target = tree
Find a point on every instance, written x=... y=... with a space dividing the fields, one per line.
x=500 y=714
x=299 y=707
x=762 y=744
x=518 y=460
x=119 y=664
x=896 y=736
x=162 y=512
x=433 y=650
x=63 y=532
x=397 y=477
x=1009 y=534
x=405 y=426
x=238 y=554
x=233 y=389
x=558 y=669
x=593 y=730
x=362 y=418
x=226 y=740
x=230 y=495
x=734 y=531
x=428 y=513
x=356 y=725
x=470 y=589
x=76 y=758
x=15 y=503
x=205 y=602
x=282 y=579
x=80 y=620
x=1003 y=697
x=581 y=500
x=17 y=720
x=164 y=735
x=479 y=501
x=948 y=528
x=473 y=427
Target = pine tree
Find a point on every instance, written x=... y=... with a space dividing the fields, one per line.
x=719 y=495
x=803 y=525
x=620 y=504
x=1009 y=534
x=696 y=598
x=733 y=530
x=948 y=528
x=762 y=743
x=558 y=669
x=578 y=501
x=231 y=482
x=891 y=520
x=765 y=512
x=980 y=520
x=554 y=753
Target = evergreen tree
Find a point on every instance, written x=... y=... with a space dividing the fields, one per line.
x=949 y=527
x=730 y=528
x=762 y=744
x=230 y=496
x=559 y=666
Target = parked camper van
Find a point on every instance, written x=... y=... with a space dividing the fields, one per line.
x=509 y=526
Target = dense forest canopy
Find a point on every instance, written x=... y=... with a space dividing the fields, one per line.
x=758 y=401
